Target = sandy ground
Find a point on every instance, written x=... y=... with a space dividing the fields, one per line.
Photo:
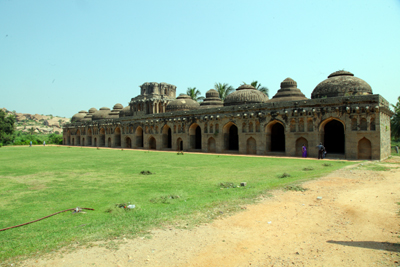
x=356 y=223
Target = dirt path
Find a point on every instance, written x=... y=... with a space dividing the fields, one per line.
x=356 y=223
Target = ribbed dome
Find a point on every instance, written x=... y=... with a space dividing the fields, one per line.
x=288 y=92
x=245 y=94
x=341 y=83
x=125 y=112
x=212 y=100
x=118 y=106
x=79 y=116
x=92 y=110
x=89 y=116
x=182 y=103
x=103 y=113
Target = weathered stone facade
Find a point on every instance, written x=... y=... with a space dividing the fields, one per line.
x=343 y=114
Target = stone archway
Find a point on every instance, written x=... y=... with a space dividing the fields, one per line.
x=275 y=134
x=152 y=143
x=195 y=136
x=128 y=142
x=83 y=141
x=334 y=137
x=117 y=137
x=78 y=137
x=102 y=139
x=231 y=136
x=364 y=149
x=299 y=146
x=179 y=144
x=95 y=142
x=109 y=141
x=166 y=137
x=251 y=146
x=211 y=147
x=139 y=136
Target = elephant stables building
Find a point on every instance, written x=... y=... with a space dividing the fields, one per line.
x=343 y=114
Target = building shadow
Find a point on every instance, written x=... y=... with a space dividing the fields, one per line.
x=369 y=244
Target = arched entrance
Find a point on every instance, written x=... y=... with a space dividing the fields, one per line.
x=78 y=138
x=231 y=137
x=211 y=145
x=179 y=144
x=128 y=142
x=102 y=139
x=73 y=141
x=364 y=149
x=167 y=137
x=95 y=142
x=334 y=137
x=299 y=146
x=251 y=146
x=83 y=141
x=277 y=138
x=117 y=137
x=109 y=142
x=195 y=136
x=89 y=137
x=152 y=143
x=139 y=137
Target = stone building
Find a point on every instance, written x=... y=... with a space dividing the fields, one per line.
x=343 y=114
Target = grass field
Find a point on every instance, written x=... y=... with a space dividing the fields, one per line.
x=182 y=191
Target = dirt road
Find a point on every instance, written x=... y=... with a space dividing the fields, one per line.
x=349 y=218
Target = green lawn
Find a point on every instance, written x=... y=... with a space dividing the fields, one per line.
x=184 y=189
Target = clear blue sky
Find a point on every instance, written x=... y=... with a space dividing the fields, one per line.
x=60 y=57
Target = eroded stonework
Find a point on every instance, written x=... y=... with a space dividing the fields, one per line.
x=344 y=115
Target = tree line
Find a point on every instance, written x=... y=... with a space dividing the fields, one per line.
x=224 y=90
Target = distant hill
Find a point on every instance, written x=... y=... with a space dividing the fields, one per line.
x=41 y=123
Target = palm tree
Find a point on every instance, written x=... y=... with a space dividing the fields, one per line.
x=194 y=94
x=31 y=130
x=260 y=88
x=223 y=89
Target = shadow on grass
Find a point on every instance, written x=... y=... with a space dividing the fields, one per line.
x=369 y=244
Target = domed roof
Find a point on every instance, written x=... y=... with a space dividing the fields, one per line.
x=288 y=92
x=182 y=103
x=118 y=106
x=92 y=110
x=79 y=116
x=245 y=94
x=125 y=112
x=212 y=100
x=102 y=113
x=341 y=83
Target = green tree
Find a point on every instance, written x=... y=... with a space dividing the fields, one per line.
x=194 y=94
x=6 y=128
x=395 y=120
x=260 y=88
x=31 y=130
x=223 y=89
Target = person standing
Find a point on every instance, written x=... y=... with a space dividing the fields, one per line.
x=44 y=143
x=321 y=150
x=30 y=144
x=304 y=149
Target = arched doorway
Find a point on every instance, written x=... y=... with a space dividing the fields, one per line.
x=251 y=146
x=364 y=149
x=139 y=137
x=334 y=137
x=277 y=138
x=78 y=138
x=128 y=142
x=211 y=145
x=299 y=146
x=167 y=137
x=73 y=141
x=152 y=143
x=102 y=139
x=83 y=141
x=109 y=141
x=95 y=142
x=195 y=136
x=89 y=136
x=231 y=137
x=179 y=144
x=117 y=137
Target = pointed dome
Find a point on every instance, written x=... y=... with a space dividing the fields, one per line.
x=288 y=92
x=341 y=83
x=212 y=100
x=245 y=94
x=182 y=103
